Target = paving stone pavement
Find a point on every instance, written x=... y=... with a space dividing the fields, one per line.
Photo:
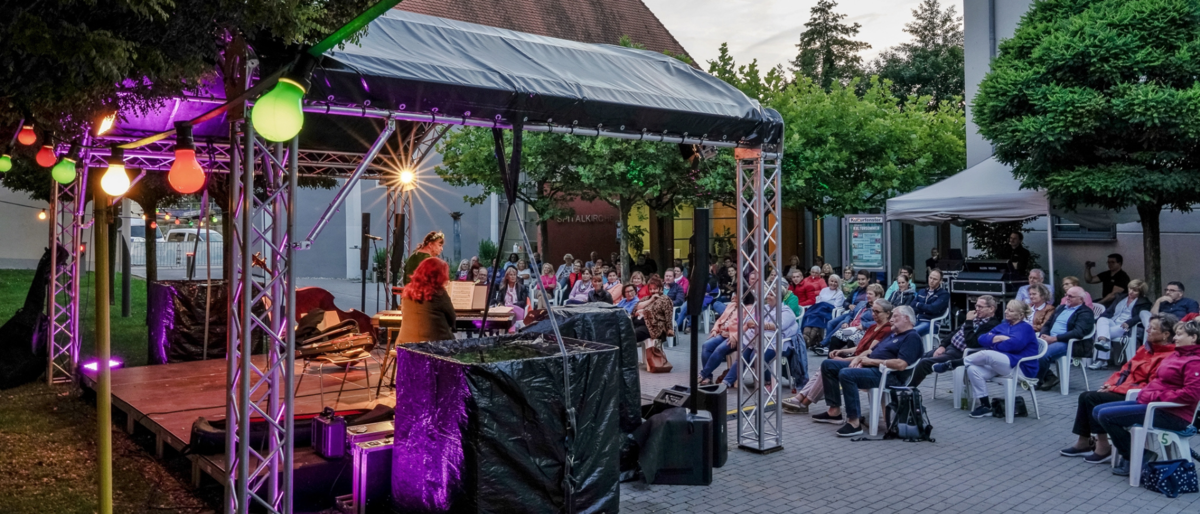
x=976 y=465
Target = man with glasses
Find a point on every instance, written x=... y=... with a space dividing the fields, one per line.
x=1070 y=321
x=1036 y=276
x=950 y=354
x=1174 y=303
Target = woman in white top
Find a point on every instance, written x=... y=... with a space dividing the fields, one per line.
x=524 y=273
x=1124 y=312
x=832 y=294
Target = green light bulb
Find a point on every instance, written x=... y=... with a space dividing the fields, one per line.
x=277 y=115
x=5 y=163
x=64 y=171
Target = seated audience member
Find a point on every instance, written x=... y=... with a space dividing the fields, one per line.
x=793 y=265
x=1092 y=443
x=599 y=294
x=795 y=279
x=727 y=282
x=513 y=258
x=1040 y=307
x=614 y=286
x=464 y=271
x=1071 y=321
x=843 y=379
x=1036 y=277
x=711 y=293
x=906 y=272
x=672 y=290
x=1112 y=282
x=1124 y=311
x=819 y=316
x=848 y=328
x=512 y=293
x=681 y=279
x=629 y=299
x=833 y=293
x=849 y=284
x=564 y=270
x=931 y=302
x=582 y=290
x=1174 y=303
x=858 y=289
x=548 y=280
x=652 y=315
x=638 y=280
x=524 y=273
x=810 y=287
x=722 y=340
x=481 y=275
x=576 y=273
x=1004 y=345
x=827 y=271
x=904 y=294
x=773 y=331
x=1069 y=282
x=428 y=312
x=932 y=262
x=814 y=390
x=1177 y=380
x=950 y=354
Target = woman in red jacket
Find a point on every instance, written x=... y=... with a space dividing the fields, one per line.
x=810 y=287
x=1177 y=380
x=1135 y=374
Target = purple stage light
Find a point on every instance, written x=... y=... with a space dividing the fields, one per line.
x=95 y=365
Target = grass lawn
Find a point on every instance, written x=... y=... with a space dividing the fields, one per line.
x=128 y=334
x=47 y=434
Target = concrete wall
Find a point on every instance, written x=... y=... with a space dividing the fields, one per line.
x=25 y=238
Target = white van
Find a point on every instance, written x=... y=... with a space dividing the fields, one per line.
x=189 y=234
x=137 y=231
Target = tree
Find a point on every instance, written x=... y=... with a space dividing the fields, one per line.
x=932 y=63
x=1097 y=102
x=828 y=52
x=747 y=77
x=846 y=154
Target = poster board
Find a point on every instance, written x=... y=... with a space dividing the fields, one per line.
x=866 y=242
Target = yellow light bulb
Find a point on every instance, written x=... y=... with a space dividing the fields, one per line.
x=115 y=181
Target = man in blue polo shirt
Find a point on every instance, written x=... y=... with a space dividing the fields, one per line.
x=843 y=379
x=1174 y=302
x=1071 y=321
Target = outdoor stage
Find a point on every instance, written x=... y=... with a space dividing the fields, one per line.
x=166 y=399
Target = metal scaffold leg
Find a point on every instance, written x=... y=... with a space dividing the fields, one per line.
x=759 y=426
x=66 y=220
x=261 y=308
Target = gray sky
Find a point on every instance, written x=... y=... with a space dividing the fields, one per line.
x=768 y=30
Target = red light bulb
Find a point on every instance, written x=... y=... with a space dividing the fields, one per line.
x=186 y=175
x=27 y=136
x=46 y=157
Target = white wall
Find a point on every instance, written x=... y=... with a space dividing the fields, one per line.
x=25 y=238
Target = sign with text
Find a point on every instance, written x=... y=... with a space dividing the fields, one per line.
x=866 y=241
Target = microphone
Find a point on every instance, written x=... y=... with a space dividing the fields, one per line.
x=375 y=238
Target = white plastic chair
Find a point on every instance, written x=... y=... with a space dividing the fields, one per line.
x=1167 y=444
x=1064 y=365
x=875 y=395
x=1010 y=385
x=935 y=328
x=671 y=338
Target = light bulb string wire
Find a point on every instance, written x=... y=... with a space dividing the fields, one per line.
x=22 y=205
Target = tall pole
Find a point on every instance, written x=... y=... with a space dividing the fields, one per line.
x=104 y=384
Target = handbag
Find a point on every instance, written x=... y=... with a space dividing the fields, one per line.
x=1171 y=477
x=656 y=360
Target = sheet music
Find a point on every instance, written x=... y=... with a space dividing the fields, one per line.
x=462 y=295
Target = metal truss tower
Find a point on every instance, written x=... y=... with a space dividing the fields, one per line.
x=66 y=244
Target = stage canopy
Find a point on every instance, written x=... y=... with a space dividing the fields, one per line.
x=988 y=192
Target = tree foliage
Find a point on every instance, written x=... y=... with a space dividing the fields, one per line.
x=844 y=153
x=748 y=78
x=931 y=64
x=1097 y=102
x=828 y=53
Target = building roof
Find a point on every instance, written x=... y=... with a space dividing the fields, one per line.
x=586 y=21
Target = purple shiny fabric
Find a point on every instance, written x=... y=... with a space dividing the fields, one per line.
x=160 y=320
x=427 y=454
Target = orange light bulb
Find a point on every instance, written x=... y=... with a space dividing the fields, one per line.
x=46 y=157
x=186 y=175
x=27 y=136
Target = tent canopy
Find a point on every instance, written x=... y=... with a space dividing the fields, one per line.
x=423 y=64
x=988 y=192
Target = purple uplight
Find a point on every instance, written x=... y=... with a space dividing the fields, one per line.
x=95 y=365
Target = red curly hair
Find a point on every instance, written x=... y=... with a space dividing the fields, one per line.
x=429 y=278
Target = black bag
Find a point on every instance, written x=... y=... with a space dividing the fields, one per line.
x=1019 y=412
x=1170 y=477
x=907 y=417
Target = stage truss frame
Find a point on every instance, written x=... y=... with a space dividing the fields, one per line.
x=66 y=246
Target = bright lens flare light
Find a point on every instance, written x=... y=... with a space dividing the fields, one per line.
x=64 y=171
x=42 y=215
x=95 y=365
x=106 y=124
x=408 y=179
x=278 y=115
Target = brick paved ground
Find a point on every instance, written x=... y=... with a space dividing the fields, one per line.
x=976 y=465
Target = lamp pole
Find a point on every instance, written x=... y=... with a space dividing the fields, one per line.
x=104 y=381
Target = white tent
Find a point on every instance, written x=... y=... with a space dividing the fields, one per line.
x=988 y=192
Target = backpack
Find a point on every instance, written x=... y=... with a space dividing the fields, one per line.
x=907 y=417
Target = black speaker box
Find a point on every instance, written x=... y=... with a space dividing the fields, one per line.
x=688 y=460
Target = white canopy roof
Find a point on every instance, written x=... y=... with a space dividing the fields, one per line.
x=988 y=192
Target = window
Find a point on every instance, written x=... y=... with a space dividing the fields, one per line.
x=1067 y=230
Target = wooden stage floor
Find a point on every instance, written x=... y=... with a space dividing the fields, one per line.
x=166 y=399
